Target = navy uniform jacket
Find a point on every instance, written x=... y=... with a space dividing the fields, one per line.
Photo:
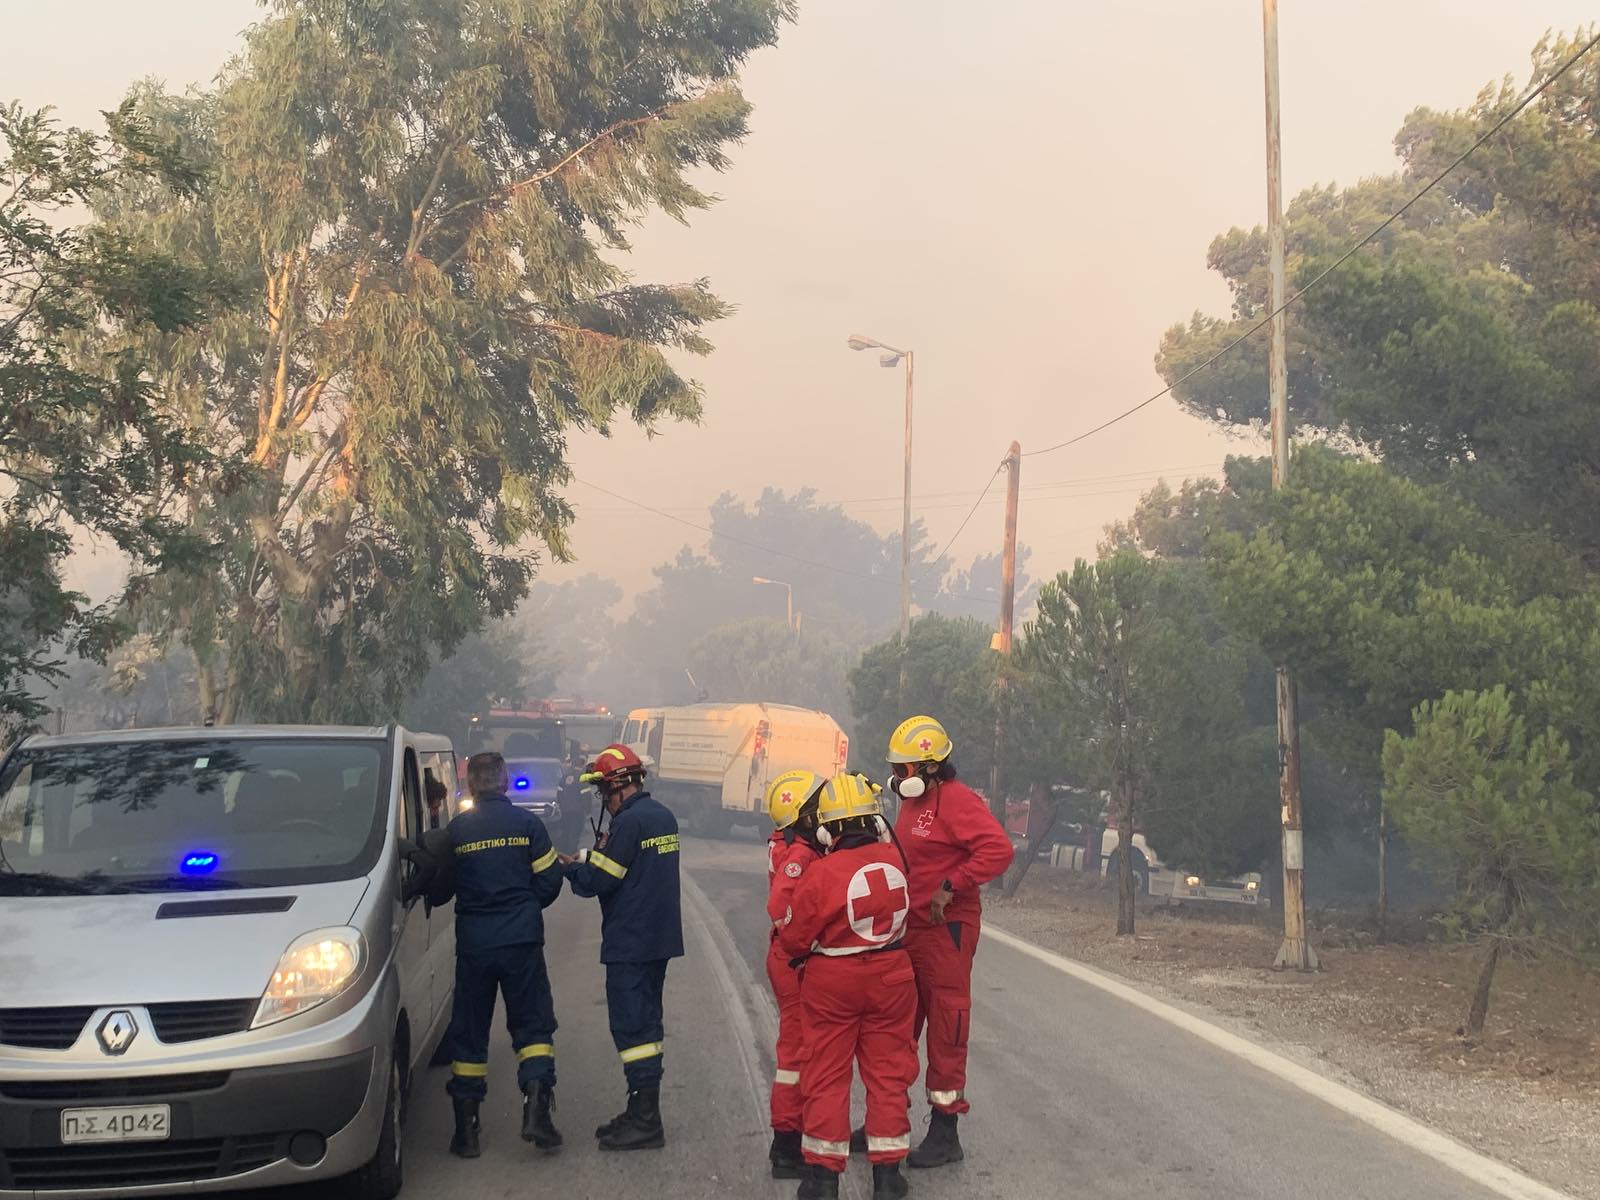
x=636 y=879
x=507 y=874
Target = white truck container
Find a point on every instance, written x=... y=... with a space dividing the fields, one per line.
x=712 y=762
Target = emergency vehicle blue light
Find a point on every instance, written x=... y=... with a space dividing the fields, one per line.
x=522 y=783
x=201 y=862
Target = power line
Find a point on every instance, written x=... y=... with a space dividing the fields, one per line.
x=1342 y=259
x=959 y=528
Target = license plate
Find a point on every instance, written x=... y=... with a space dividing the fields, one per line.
x=126 y=1123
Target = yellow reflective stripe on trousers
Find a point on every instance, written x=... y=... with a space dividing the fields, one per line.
x=882 y=1145
x=537 y=1050
x=828 y=1149
x=635 y=1053
x=470 y=1070
x=614 y=869
x=786 y=1078
x=944 y=1097
x=545 y=863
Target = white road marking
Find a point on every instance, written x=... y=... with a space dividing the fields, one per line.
x=1480 y=1169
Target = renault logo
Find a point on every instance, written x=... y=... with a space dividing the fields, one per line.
x=117 y=1031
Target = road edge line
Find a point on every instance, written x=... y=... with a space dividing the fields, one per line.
x=1497 y=1176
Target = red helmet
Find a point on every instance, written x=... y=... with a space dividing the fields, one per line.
x=615 y=764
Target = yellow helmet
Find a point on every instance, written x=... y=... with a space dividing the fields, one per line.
x=846 y=796
x=788 y=795
x=919 y=739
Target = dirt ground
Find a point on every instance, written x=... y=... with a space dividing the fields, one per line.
x=1386 y=1017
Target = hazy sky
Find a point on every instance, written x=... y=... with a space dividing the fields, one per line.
x=1022 y=191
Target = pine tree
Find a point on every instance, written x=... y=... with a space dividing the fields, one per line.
x=422 y=203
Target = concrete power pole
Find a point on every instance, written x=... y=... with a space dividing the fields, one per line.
x=1008 y=604
x=1296 y=952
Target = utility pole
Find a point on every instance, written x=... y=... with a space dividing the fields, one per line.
x=1296 y=952
x=905 y=529
x=1002 y=639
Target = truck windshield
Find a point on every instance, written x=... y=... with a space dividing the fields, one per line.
x=540 y=739
x=189 y=815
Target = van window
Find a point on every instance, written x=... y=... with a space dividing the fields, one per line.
x=411 y=821
x=192 y=814
x=439 y=788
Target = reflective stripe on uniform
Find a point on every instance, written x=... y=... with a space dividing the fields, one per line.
x=470 y=1070
x=537 y=1050
x=880 y=1145
x=787 y=1078
x=842 y=951
x=545 y=863
x=614 y=869
x=635 y=1053
x=827 y=1149
x=946 y=1098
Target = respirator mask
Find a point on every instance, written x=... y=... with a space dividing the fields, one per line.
x=909 y=787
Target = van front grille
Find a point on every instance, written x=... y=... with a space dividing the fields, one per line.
x=190 y=1021
x=43 y=1028
x=138 y=1087
x=56 y=1168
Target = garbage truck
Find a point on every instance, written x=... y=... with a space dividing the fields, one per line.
x=711 y=763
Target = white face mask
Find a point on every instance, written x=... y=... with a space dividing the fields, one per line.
x=910 y=788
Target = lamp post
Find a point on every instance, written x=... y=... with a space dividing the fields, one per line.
x=788 y=589
x=892 y=357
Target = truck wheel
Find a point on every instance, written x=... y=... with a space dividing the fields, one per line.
x=384 y=1173
x=713 y=822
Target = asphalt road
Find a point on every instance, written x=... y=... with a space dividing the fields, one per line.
x=1073 y=1091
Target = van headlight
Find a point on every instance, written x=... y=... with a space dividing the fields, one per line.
x=313 y=970
x=1193 y=881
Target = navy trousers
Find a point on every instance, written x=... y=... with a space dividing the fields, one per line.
x=633 y=1002
x=518 y=973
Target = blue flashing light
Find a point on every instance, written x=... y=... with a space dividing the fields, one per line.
x=200 y=862
x=522 y=784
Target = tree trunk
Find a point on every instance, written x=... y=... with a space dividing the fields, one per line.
x=1383 y=871
x=205 y=676
x=1480 y=998
x=1126 y=897
x=1031 y=847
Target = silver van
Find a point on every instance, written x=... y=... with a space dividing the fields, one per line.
x=219 y=968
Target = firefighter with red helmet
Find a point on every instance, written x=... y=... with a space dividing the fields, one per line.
x=953 y=846
x=791 y=803
x=633 y=870
x=846 y=924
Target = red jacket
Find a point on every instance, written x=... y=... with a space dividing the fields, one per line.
x=949 y=833
x=785 y=865
x=849 y=901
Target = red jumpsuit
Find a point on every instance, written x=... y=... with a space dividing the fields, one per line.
x=859 y=996
x=948 y=834
x=785 y=865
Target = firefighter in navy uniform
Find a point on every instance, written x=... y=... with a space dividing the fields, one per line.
x=633 y=870
x=506 y=874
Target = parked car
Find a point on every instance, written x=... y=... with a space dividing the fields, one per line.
x=220 y=970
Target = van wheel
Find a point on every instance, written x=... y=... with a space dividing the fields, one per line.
x=382 y=1177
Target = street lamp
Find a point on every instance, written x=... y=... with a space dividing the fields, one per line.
x=891 y=358
x=787 y=587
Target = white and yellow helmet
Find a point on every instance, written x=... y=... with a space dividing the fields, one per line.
x=789 y=793
x=918 y=740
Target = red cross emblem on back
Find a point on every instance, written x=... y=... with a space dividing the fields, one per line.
x=879 y=899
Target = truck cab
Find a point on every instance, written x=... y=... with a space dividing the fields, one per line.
x=534 y=746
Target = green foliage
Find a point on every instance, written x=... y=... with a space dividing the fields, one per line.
x=949 y=673
x=84 y=440
x=1512 y=832
x=1463 y=347
x=763 y=659
x=422 y=206
x=501 y=663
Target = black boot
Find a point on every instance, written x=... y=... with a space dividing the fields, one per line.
x=640 y=1127
x=858 y=1140
x=464 y=1142
x=538 y=1099
x=888 y=1183
x=787 y=1162
x=941 y=1147
x=820 y=1183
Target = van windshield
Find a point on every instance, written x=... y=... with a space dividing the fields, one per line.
x=189 y=815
